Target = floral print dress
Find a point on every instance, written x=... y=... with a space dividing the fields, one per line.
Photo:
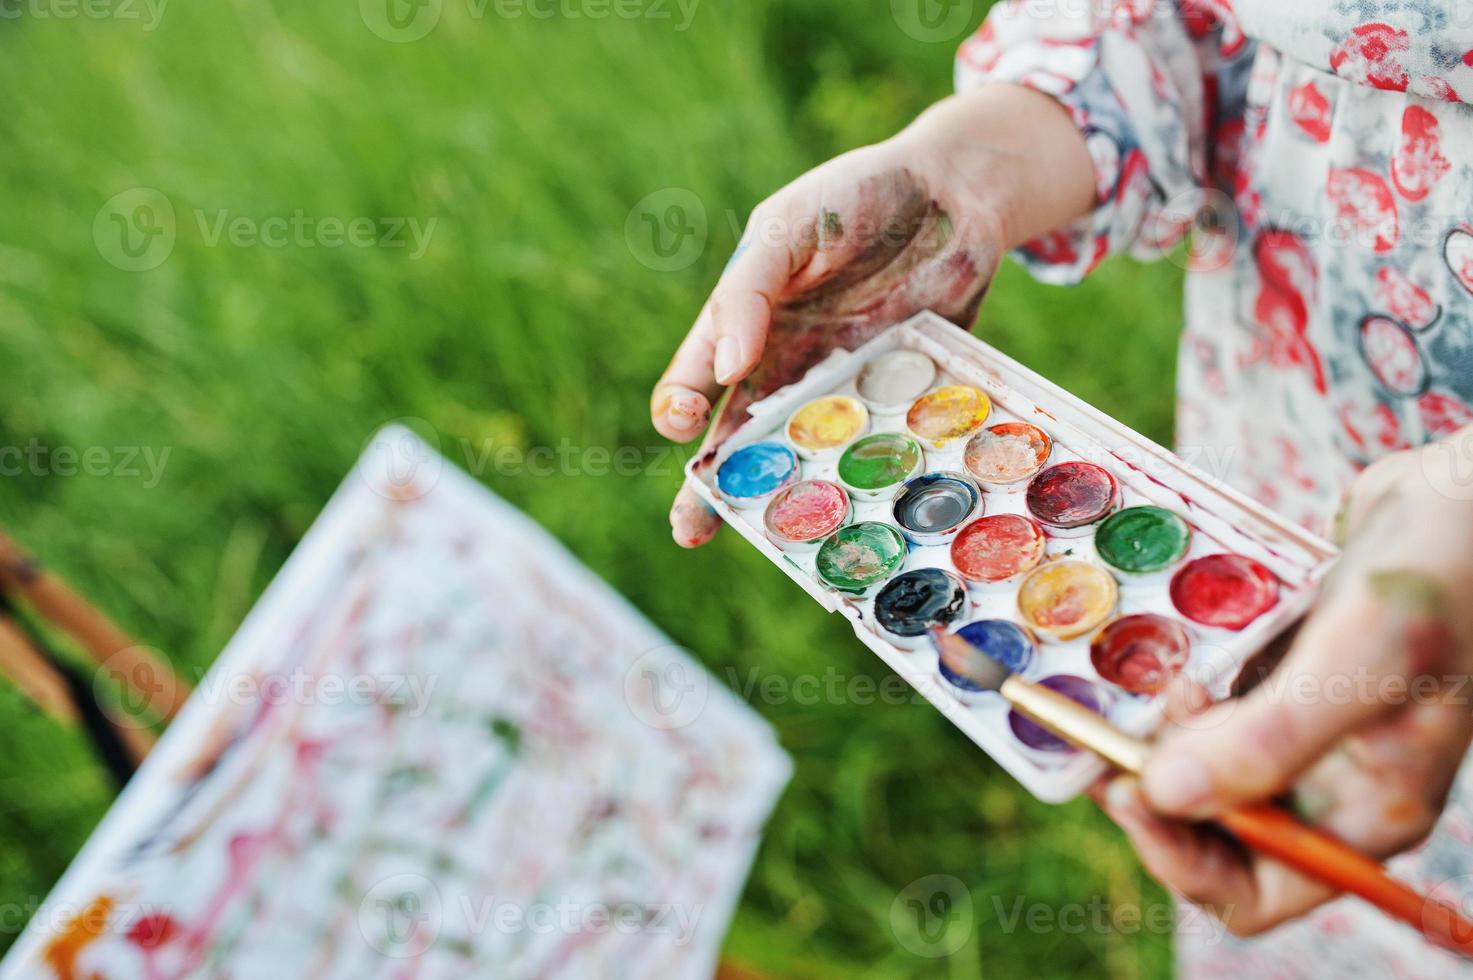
x=1322 y=153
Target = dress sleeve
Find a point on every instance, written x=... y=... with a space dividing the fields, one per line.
x=1159 y=93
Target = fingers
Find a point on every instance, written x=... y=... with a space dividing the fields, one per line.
x=1184 y=858
x=1249 y=894
x=692 y=523
x=778 y=242
x=1359 y=644
x=1369 y=491
x=681 y=403
x=1384 y=788
x=730 y=334
x=1249 y=749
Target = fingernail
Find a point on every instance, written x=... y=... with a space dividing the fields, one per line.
x=692 y=523
x=1177 y=784
x=728 y=358
x=685 y=413
x=1123 y=796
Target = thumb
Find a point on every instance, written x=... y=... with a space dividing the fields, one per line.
x=692 y=522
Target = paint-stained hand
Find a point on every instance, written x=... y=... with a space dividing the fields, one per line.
x=859 y=244
x=1363 y=724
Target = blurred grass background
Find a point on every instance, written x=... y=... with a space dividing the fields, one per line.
x=528 y=320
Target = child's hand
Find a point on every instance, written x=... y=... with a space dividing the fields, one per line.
x=865 y=241
x=1367 y=718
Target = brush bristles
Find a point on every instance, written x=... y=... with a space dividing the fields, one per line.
x=966 y=660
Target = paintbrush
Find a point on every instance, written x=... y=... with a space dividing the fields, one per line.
x=1268 y=829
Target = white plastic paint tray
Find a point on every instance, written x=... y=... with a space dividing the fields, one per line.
x=1221 y=519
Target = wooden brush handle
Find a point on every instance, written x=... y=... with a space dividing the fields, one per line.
x=1077 y=724
x=1276 y=832
x=36 y=678
x=1267 y=829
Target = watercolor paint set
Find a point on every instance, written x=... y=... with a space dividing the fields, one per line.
x=927 y=480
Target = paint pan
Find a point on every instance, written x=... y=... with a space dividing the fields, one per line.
x=931 y=509
x=891 y=382
x=821 y=428
x=857 y=558
x=872 y=467
x=1000 y=639
x=1040 y=739
x=1004 y=455
x=801 y=516
x=947 y=414
x=995 y=552
x=1227 y=591
x=1140 y=653
x=1064 y=599
x=754 y=473
x=1142 y=543
x=1067 y=498
x=913 y=602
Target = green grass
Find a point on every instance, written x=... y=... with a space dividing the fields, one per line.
x=527 y=321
